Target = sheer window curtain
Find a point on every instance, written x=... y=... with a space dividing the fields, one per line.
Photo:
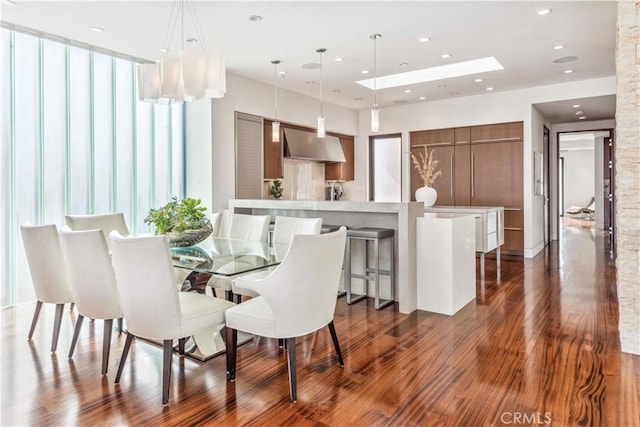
x=75 y=140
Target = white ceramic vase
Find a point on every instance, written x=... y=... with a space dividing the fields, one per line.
x=426 y=195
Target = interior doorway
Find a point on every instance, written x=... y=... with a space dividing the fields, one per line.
x=586 y=171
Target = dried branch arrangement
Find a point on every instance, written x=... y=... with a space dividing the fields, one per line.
x=426 y=167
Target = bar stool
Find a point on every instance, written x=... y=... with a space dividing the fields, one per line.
x=375 y=235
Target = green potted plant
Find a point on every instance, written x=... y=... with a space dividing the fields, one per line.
x=276 y=190
x=183 y=221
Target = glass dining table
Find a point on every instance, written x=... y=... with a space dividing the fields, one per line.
x=224 y=259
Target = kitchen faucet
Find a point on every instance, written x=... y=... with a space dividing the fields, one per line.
x=334 y=191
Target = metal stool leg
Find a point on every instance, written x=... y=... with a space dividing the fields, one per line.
x=376 y=272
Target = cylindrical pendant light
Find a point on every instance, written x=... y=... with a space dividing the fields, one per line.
x=275 y=126
x=375 y=109
x=321 y=123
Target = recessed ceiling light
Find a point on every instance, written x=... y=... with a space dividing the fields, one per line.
x=441 y=72
x=441 y=86
x=96 y=29
x=543 y=12
x=581 y=118
x=569 y=71
x=445 y=55
x=579 y=112
x=479 y=80
x=424 y=39
x=9 y=2
x=407 y=91
x=192 y=40
x=311 y=66
x=422 y=98
x=311 y=82
x=358 y=99
x=336 y=91
x=282 y=73
x=403 y=64
x=339 y=59
x=164 y=50
x=255 y=18
x=365 y=71
x=576 y=105
x=489 y=88
x=559 y=46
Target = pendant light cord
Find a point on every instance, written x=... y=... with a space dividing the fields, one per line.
x=321 y=75
x=375 y=69
x=275 y=88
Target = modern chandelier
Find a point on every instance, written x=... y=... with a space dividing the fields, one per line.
x=192 y=75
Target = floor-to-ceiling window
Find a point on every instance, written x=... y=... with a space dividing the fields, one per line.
x=76 y=140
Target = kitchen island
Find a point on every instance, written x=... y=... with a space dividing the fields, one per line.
x=400 y=217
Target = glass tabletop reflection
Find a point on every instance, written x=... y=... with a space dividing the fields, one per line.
x=227 y=257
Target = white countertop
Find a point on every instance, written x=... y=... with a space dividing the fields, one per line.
x=463 y=209
x=321 y=205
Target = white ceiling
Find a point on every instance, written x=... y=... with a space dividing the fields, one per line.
x=291 y=31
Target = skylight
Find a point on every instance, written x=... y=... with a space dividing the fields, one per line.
x=441 y=72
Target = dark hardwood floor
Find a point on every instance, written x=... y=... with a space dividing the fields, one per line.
x=541 y=347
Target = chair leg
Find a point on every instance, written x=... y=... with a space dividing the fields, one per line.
x=123 y=358
x=56 y=327
x=181 y=342
x=106 y=344
x=291 y=360
x=120 y=325
x=76 y=333
x=232 y=346
x=334 y=338
x=166 y=370
x=36 y=315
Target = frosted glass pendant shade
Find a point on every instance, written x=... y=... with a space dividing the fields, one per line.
x=275 y=132
x=148 y=82
x=321 y=130
x=216 y=75
x=172 y=82
x=194 y=73
x=375 y=118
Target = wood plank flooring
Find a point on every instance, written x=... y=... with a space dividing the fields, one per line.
x=541 y=347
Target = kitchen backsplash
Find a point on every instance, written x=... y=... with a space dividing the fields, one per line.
x=303 y=180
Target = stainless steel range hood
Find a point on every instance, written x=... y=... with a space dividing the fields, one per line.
x=300 y=144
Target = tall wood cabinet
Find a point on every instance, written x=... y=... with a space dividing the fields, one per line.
x=481 y=166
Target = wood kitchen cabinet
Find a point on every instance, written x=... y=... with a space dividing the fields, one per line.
x=342 y=171
x=481 y=166
x=462 y=167
x=497 y=132
x=272 y=153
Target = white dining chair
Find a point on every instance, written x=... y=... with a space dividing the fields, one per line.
x=48 y=273
x=93 y=283
x=285 y=228
x=253 y=228
x=296 y=299
x=153 y=307
x=105 y=222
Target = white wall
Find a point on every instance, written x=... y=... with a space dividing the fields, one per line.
x=212 y=171
x=579 y=176
x=476 y=110
x=534 y=230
